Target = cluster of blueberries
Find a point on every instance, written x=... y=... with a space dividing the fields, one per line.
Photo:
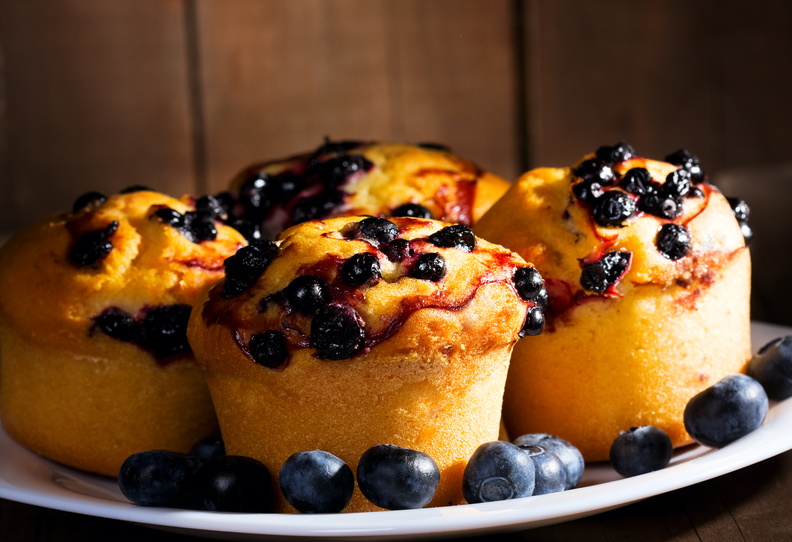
x=614 y=199
x=159 y=329
x=337 y=330
x=315 y=481
x=396 y=478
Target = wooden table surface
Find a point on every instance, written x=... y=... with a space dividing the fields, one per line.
x=754 y=503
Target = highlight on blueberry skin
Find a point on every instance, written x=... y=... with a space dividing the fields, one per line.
x=567 y=453
x=498 y=471
x=639 y=450
x=397 y=478
x=772 y=368
x=316 y=482
x=726 y=411
x=550 y=474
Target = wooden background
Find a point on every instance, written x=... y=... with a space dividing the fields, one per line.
x=181 y=94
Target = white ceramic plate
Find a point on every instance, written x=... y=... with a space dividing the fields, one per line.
x=27 y=478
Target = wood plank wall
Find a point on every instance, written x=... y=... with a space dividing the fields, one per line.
x=180 y=94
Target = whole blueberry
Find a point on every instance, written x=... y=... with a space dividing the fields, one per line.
x=528 y=282
x=360 y=269
x=316 y=482
x=169 y=216
x=587 y=191
x=598 y=276
x=640 y=450
x=613 y=208
x=163 y=330
x=377 y=231
x=771 y=366
x=497 y=471
x=429 y=266
x=246 y=266
x=455 y=236
x=397 y=250
x=673 y=241
x=269 y=349
x=567 y=453
x=199 y=226
x=534 y=322
x=740 y=209
x=316 y=206
x=250 y=230
x=612 y=154
x=550 y=474
x=397 y=478
x=215 y=205
x=307 y=294
x=232 y=483
x=595 y=170
x=661 y=205
x=157 y=478
x=415 y=210
x=637 y=181
x=689 y=162
x=677 y=183
x=258 y=193
x=93 y=246
x=117 y=323
x=726 y=411
x=337 y=332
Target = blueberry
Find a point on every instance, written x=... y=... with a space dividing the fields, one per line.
x=432 y=146
x=163 y=330
x=157 y=478
x=687 y=161
x=217 y=207
x=335 y=147
x=528 y=282
x=587 y=191
x=414 y=210
x=549 y=473
x=118 y=324
x=377 y=231
x=595 y=170
x=232 y=483
x=93 y=246
x=269 y=348
x=534 y=322
x=199 y=226
x=568 y=454
x=661 y=205
x=360 y=269
x=397 y=250
x=613 y=208
x=251 y=231
x=307 y=294
x=88 y=201
x=637 y=181
x=316 y=482
x=397 y=478
x=429 y=266
x=612 y=154
x=598 y=276
x=335 y=171
x=246 y=266
x=726 y=411
x=747 y=233
x=740 y=209
x=772 y=368
x=257 y=194
x=208 y=448
x=640 y=450
x=677 y=183
x=337 y=332
x=455 y=236
x=316 y=206
x=497 y=471
x=169 y=216
x=673 y=241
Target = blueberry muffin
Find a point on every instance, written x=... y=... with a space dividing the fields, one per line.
x=648 y=278
x=94 y=303
x=347 y=178
x=351 y=332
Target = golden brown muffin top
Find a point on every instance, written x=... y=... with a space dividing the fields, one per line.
x=112 y=265
x=340 y=287
x=348 y=178
x=616 y=221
